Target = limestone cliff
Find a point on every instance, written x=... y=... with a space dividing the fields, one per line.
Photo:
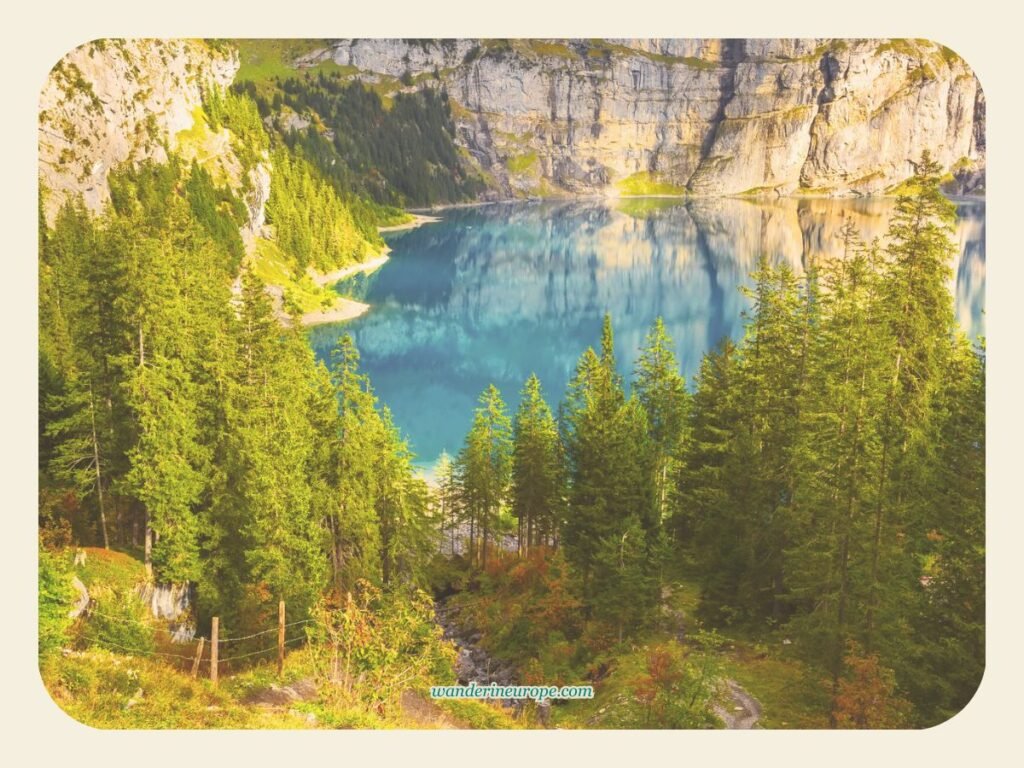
x=707 y=117
x=115 y=101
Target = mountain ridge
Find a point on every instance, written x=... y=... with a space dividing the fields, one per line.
x=693 y=116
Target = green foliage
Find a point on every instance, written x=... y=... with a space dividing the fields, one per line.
x=55 y=599
x=239 y=114
x=379 y=644
x=404 y=155
x=675 y=690
x=748 y=437
x=166 y=462
x=118 y=622
x=218 y=209
x=528 y=613
x=648 y=183
x=382 y=525
x=484 y=470
x=611 y=473
x=661 y=390
x=538 y=469
x=626 y=585
x=311 y=222
x=832 y=476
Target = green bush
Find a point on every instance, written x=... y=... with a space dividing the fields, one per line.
x=119 y=623
x=56 y=596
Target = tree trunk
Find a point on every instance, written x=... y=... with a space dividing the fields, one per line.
x=148 y=559
x=99 y=474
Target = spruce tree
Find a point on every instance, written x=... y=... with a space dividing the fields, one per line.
x=484 y=470
x=661 y=389
x=538 y=474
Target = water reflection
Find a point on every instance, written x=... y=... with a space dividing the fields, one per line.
x=491 y=294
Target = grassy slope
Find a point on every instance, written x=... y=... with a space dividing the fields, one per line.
x=301 y=294
x=647 y=183
x=263 y=60
x=118 y=571
x=106 y=689
x=102 y=688
x=790 y=693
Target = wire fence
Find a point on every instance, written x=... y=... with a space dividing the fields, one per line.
x=221 y=640
x=208 y=647
x=220 y=659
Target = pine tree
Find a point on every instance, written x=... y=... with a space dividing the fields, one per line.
x=407 y=535
x=610 y=460
x=704 y=483
x=947 y=658
x=355 y=535
x=447 y=502
x=166 y=462
x=484 y=470
x=838 y=456
x=754 y=497
x=626 y=577
x=661 y=389
x=917 y=309
x=538 y=474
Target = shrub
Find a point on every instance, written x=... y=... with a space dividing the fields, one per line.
x=119 y=623
x=379 y=644
x=676 y=689
x=55 y=599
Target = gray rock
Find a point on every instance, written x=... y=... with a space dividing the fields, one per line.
x=713 y=116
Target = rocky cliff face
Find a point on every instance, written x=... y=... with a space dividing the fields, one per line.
x=707 y=117
x=114 y=101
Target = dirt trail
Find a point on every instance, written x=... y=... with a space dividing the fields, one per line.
x=744 y=712
x=741 y=711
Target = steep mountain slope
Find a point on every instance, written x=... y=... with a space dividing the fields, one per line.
x=114 y=101
x=701 y=116
x=111 y=105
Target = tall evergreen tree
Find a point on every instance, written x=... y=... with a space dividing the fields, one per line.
x=838 y=455
x=917 y=309
x=484 y=470
x=538 y=473
x=610 y=465
x=355 y=535
x=661 y=389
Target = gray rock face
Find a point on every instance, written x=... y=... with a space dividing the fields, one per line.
x=81 y=601
x=166 y=601
x=710 y=117
x=115 y=101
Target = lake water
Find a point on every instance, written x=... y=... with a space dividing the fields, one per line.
x=491 y=294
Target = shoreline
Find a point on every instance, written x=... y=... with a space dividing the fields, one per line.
x=353 y=269
x=418 y=220
x=681 y=198
x=343 y=309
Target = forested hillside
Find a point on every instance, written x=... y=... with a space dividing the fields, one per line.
x=805 y=521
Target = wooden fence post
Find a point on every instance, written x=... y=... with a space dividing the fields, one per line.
x=199 y=657
x=280 y=638
x=214 y=631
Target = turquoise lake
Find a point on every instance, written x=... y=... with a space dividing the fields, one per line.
x=493 y=293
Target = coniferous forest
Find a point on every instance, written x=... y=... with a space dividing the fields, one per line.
x=804 y=520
